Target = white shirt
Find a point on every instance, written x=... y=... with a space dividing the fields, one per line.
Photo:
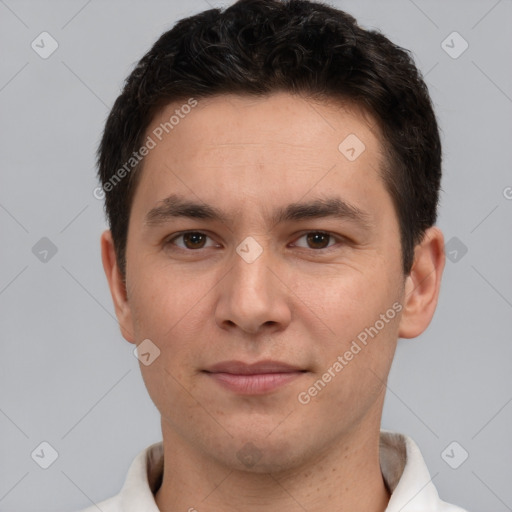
x=402 y=466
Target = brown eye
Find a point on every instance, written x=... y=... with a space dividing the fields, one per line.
x=190 y=240
x=318 y=240
x=194 y=240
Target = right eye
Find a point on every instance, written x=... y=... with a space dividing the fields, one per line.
x=191 y=240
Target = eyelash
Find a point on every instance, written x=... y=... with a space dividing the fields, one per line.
x=174 y=237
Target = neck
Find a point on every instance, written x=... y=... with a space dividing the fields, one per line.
x=346 y=478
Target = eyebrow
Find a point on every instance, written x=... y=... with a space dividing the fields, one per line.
x=176 y=206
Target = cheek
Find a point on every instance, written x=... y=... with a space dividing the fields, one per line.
x=174 y=311
x=354 y=368
x=363 y=310
x=164 y=298
x=353 y=301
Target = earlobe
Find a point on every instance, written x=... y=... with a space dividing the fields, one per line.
x=423 y=284
x=117 y=286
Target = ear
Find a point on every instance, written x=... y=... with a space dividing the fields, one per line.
x=422 y=285
x=117 y=286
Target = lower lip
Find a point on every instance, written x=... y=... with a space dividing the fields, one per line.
x=254 y=384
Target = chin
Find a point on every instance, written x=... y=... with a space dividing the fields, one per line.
x=264 y=452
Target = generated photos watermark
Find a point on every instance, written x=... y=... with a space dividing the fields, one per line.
x=150 y=143
x=361 y=341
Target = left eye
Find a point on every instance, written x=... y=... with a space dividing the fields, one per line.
x=317 y=240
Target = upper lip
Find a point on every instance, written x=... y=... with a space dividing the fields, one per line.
x=241 y=368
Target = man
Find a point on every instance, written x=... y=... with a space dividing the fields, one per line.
x=271 y=175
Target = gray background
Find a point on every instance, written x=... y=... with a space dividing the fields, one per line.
x=67 y=377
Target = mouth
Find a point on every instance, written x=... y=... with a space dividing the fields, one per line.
x=253 y=379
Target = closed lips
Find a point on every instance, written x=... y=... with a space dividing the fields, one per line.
x=262 y=367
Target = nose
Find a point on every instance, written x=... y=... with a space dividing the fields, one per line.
x=252 y=297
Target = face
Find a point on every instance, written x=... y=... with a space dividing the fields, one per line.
x=264 y=263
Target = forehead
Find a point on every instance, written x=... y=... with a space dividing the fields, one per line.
x=276 y=119
x=257 y=149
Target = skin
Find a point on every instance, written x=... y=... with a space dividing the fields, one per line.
x=296 y=303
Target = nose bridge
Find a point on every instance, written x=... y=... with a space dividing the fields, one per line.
x=250 y=273
x=251 y=297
